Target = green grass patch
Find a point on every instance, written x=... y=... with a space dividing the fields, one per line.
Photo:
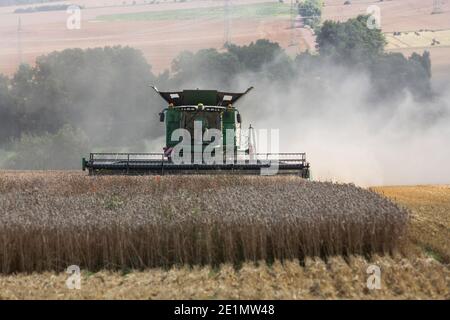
x=260 y=10
x=432 y=253
x=5 y=157
x=114 y=202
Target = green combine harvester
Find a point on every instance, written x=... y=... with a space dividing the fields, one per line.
x=203 y=136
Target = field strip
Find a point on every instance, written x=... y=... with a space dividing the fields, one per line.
x=336 y=278
x=429 y=227
x=256 y=10
x=416 y=39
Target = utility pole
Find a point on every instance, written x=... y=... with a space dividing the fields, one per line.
x=227 y=22
x=294 y=14
x=19 y=40
x=437 y=7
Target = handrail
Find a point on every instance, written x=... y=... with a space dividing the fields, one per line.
x=129 y=160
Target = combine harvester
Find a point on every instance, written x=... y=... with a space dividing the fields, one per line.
x=199 y=113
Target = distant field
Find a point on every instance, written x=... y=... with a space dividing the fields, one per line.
x=430 y=220
x=405 y=16
x=162 y=30
x=436 y=42
x=396 y=15
x=418 y=39
x=260 y=10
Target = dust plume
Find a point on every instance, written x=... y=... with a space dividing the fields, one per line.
x=350 y=138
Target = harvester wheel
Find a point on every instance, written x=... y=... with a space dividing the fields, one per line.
x=305 y=173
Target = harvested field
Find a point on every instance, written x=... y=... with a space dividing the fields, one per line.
x=249 y=11
x=336 y=278
x=397 y=15
x=406 y=17
x=418 y=39
x=51 y=220
x=430 y=217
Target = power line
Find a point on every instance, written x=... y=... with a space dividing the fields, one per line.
x=19 y=40
x=437 y=6
x=294 y=14
x=227 y=22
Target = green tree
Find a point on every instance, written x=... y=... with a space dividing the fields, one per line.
x=351 y=41
x=424 y=60
x=206 y=68
x=311 y=12
x=103 y=90
x=256 y=55
x=8 y=112
x=213 y=69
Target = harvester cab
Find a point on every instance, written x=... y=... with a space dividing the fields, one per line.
x=201 y=113
x=203 y=135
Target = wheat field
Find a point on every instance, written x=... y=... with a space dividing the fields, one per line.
x=417 y=267
x=52 y=220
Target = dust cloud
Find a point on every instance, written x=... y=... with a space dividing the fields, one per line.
x=350 y=138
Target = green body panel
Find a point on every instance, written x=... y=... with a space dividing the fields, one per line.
x=173 y=119
x=229 y=122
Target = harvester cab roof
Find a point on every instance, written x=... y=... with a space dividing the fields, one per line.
x=204 y=97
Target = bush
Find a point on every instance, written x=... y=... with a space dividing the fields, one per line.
x=103 y=91
x=8 y=114
x=350 y=41
x=62 y=150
